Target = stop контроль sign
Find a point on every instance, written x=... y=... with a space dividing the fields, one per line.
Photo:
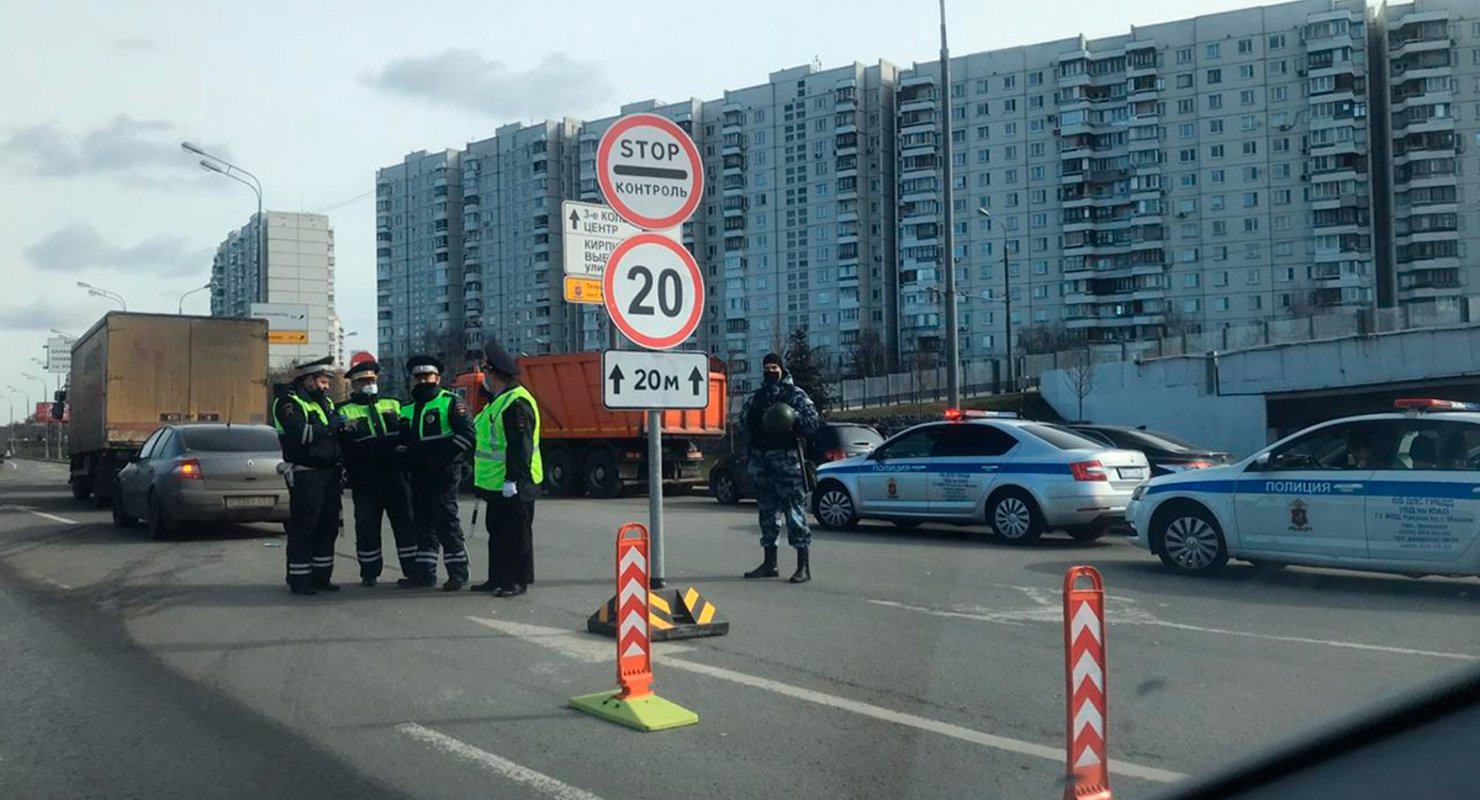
x=649 y=171
x=653 y=291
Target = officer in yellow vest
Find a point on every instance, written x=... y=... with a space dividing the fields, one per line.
x=438 y=437
x=372 y=430
x=306 y=424
x=507 y=471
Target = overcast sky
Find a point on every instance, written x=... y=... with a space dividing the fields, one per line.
x=313 y=97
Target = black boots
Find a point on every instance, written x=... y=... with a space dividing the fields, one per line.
x=767 y=569
x=804 y=566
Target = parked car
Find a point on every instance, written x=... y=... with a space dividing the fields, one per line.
x=203 y=472
x=1021 y=477
x=1396 y=492
x=729 y=478
x=1167 y=453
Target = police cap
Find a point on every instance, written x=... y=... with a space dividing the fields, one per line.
x=500 y=360
x=420 y=365
x=365 y=370
x=322 y=366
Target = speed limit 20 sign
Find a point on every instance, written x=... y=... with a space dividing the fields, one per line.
x=653 y=291
x=649 y=171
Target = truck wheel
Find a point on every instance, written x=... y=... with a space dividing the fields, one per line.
x=602 y=479
x=81 y=487
x=722 y=486
x=561 y=477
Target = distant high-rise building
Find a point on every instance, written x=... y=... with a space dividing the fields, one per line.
x=1257 y=165
x=299 y=272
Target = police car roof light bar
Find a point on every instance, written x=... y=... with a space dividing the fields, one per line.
x=956 y=414
x=1430 y=404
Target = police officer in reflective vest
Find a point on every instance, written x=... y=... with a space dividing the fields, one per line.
x=306 y=424
x=371 y=432
x=437 y=436
x=507 y=471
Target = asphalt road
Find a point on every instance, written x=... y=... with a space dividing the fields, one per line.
x=923 y=663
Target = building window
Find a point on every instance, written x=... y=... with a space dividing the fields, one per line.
x=1214 y=50
x=1217 y=176
x=1214 y=76
x=1253 y=277
x=1279 y=94
x=1184 y=81
x=1220 y=227
x=1246 y=97
x=1186 y=130
x=1251 y=199
x=1220 y=304
x=1215 y=126
x=1256 y=302
x=1184 y=55
x=1191 y=306
x=1246 y=71
x=1186 y=105
x=1191 y=280
x=1215 y=151
x=1215 y=101
x=1277 y=41
x=1251 y=224
x=1251 y=148
x=1245 y=46
x=1215 y=202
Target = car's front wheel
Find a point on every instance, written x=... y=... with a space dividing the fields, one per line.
x=1188 y=540
x=722 y=486
x=833 y=507
x=1015 y=517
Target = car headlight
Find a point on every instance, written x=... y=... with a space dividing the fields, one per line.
x=1140 y=491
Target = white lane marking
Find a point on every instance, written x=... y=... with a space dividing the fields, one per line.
x=13 y=466
x=1139 y=616
x=64 y=587
x=579 y=646
x=534 y=779
x=587 y=648
x=42 y=514
x=914 y=721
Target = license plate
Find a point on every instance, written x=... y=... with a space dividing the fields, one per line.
x=1132 y=473
x=251 y=502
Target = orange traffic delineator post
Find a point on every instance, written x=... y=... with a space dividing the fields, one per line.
x=633 y=704
x=1088 y=762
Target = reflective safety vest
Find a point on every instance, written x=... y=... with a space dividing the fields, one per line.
x=489 y=465
x=309 y=409
x=430 y=421
x=373 y=414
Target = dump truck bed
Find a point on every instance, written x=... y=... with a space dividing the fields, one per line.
x=568 y=389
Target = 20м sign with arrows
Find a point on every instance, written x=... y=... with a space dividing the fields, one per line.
x=642 y=379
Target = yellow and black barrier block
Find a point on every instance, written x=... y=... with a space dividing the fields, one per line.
x=672 y=614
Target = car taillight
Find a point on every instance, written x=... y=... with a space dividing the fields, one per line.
x=1088 y=471
x=188 y=470
x=835 y=454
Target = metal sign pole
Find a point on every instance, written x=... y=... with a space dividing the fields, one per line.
x=655 y=496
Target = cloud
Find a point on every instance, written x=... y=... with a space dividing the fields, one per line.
x=80 y=247
x=465 y=79
x=125 y=149
x=136 y=44
x=42 y=314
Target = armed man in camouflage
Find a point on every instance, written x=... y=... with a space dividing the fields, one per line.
x=776 y=418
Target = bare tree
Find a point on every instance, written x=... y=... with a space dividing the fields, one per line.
x=1079 y=372
x=867 y=357
x=1036 y=339
x=1177 y=323
x=922 y=362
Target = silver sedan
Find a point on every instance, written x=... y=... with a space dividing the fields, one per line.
x=204 y=472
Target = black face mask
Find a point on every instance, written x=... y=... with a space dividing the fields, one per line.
x=423 y=392
x=770 y=377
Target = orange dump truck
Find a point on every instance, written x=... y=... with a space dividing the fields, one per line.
x=592 y=450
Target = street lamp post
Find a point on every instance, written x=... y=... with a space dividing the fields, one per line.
x=98 y=291
x=1006 y=303
x=45 y=424
x=180 y=309
x=27 y=398
x=10 y=430
x=953 y=344
x=220 y=166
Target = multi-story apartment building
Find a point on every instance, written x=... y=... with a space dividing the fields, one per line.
x=1190 y=174
x=419 y=256
x=513 y=183
x=1254 y=165
x=298 y=271
x=1425 y=67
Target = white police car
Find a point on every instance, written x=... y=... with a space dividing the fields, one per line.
x=1394 y=492
x=1020 y=477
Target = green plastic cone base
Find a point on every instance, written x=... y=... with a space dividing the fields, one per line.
x=650 y=713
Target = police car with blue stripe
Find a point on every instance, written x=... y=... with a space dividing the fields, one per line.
x=1021 y=477
x=1394 y=492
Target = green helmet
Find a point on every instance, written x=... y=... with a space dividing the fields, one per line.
x=779 y=419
